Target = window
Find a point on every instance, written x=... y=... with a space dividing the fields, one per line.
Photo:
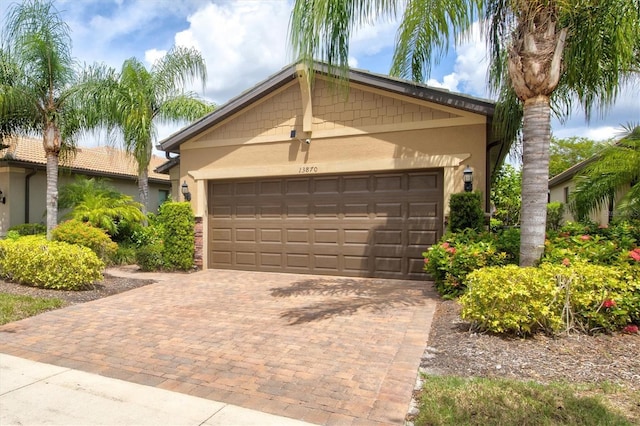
x=163 y=195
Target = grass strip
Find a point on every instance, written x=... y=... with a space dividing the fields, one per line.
x=14 y=307
x=449 y=400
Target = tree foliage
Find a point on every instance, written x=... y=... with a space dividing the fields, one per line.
x=615 y=173
x=132 y=102
x=505 y=195
x=37 y=85
x=95 y=201
x=564 y=153
x=540 y=52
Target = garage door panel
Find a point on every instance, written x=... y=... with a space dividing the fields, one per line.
x=357 y=185
x=374 y=224
x=326 y=185
x=385 y=183
x=245 y=188
x=422 y=238
x=356 y=263
x=297 y=236
x=271 y=235
x=326 y=262
x=388 y=209
x=271 y=259
x=420 y=182
x=418 y=209
x=246 y=211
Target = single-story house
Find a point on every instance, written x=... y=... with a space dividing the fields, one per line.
x=563 y=185
x=23 y=178
x=300 y=174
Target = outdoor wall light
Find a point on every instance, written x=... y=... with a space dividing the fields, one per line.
x=185 y=191
x=467 y=178
x=3 y=199
x=293 y=136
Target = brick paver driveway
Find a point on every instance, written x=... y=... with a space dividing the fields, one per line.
x=328 y=350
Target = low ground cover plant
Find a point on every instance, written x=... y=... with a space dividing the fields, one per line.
x=32 y=260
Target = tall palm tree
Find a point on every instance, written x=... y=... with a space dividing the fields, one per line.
x=538 y=48
x=616 y=171
x=36 y=82
x=135 y=100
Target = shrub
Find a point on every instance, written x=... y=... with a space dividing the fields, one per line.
x=456 y=255
x=177 y=222
x=125 y=254
x=575 y=295
x=555 y=213
x=29 y=229
x=84 y=234
x=508 y=242
x=511 y=299
x=149 y=257
x=34 y=261
x=466 y=211
x=594 y=249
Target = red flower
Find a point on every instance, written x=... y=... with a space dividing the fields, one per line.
x=566 y=262
x=426 y=260
x=609 y=303
x=631 y=329
x=451 y=250
x=445 y=245
x=635 y=254
x=585 y=237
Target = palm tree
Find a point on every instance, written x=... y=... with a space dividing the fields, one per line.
x=538 y=48
x=616 y=171
x=134 y=101
x=36 y=81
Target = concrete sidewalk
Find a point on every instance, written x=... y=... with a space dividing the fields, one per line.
x=34 y=393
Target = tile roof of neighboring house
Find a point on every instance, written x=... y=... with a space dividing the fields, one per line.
x=102 y=160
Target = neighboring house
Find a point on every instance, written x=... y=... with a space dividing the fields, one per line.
x=293 y=177
x=563 y=185
x=23 y=178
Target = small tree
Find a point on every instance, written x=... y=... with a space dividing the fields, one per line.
x=466 y=211
x=505 y=196
x=177 y=223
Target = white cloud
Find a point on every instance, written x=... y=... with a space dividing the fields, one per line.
x=242 y=43
x=470 y=68
x=152 y=55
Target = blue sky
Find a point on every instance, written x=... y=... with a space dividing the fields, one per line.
x=245 y=41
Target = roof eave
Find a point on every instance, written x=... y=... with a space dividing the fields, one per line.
x=287 y=74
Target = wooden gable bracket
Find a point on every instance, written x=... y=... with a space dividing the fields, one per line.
x=304 y=79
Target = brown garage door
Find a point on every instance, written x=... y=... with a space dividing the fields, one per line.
x=369 y=225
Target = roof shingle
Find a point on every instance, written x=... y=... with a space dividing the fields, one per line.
x=101 y=159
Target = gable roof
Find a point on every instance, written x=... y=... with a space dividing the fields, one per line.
x=102 y=160
x=290 y=73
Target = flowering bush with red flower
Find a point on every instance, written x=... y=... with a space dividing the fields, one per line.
x=635 y=254
x=450 y=261
x=609 y=303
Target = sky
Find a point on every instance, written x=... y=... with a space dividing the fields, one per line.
x=246 y=41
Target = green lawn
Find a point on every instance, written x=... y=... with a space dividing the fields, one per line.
x=14 y=308
x=480 y=401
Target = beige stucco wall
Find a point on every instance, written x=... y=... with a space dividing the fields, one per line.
x=557 y=193
x=13 y=186
x=369 y=131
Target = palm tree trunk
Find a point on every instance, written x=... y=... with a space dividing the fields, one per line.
x=51 y=145
x=52 y=192
x=143 y=190
x=535 y=168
